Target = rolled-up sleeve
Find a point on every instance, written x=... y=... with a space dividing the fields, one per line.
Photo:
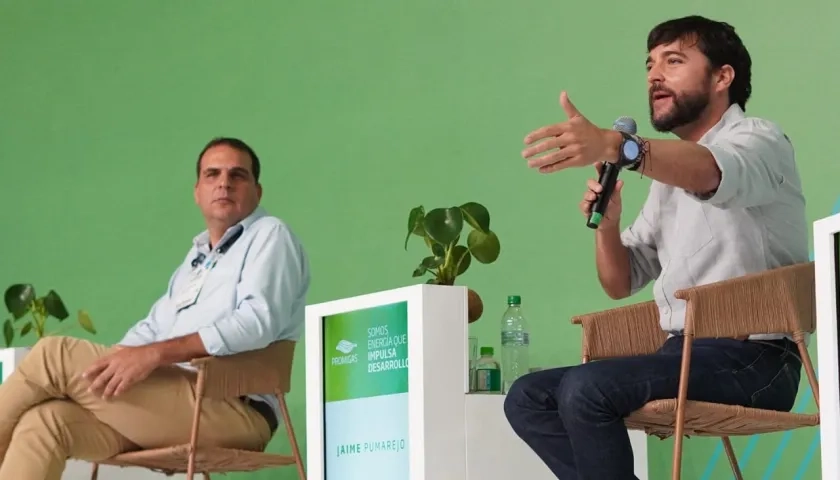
x=640 y=240
x=270 y=296
x=752 y=158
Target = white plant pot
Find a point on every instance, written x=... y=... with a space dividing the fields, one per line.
x=9 y=360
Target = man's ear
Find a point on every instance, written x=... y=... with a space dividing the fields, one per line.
x=724 y=78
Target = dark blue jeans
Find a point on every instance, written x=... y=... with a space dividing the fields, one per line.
x=572 y=417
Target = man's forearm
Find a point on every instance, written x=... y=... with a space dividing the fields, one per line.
x=678 y=163
x=179 y=349
x=613 y=262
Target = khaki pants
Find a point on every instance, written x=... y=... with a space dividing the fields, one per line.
x=48 y=415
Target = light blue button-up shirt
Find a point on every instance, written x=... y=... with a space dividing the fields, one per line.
x=254 y=295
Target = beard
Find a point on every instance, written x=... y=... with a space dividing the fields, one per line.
x=685 y=108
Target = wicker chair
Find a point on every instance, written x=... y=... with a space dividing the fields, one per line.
x=777 y=300
x=259 y=371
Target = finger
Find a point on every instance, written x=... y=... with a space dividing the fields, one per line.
x=585 y=207
x=590 y=196
x=95 y=368
x=550 y=131
x=122 y=387
x=568 y=106
x=594 y=186
x=598 y=167
x=541 y=147
x=112 y=386
x=101 y=380
x=554 y=167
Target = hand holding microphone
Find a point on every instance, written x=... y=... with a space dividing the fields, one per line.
x=611 y=214
x=608 y=182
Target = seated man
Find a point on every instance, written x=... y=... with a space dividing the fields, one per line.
x=241 y=287
x=725 y=201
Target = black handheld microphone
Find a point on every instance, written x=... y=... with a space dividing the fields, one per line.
x=608 y=177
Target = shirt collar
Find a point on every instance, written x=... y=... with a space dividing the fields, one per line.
x=732 y=114
x=202 y=240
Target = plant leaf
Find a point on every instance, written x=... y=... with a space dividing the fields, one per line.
x=54 y=306
x=419 y=271
x=85 y=321
x=438 y=250
x=8 y=332
x=444 y=225
x=432 y=262
x=26 y=328
x=484 y=247
x=477 y=216
x=18 y=298
x=415 y=223
x=461 y=258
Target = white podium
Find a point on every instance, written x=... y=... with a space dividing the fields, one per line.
x=387 y=394
x=826 y=243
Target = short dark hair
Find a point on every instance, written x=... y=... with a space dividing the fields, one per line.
x=718 y=42
x=235 y=144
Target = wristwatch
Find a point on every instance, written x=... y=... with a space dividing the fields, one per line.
x=630 y=152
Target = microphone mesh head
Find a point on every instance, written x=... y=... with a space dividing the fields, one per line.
x=625 y=124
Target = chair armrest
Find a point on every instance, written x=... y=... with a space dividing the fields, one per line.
x=264 y=371
x=781 y=300
x=621 y=332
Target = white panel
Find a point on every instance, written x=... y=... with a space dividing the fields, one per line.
x=437 y=406
x=827 y=358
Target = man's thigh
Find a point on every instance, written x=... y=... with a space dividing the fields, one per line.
x=626 y=384
x=158 y=411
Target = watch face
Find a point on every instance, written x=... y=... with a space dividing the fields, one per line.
x=630 y=150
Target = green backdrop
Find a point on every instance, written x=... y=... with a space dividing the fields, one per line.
x=360 y=111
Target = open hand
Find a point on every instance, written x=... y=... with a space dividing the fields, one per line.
x=115 y=372
x=576 y=142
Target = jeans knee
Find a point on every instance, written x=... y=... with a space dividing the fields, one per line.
x=581 y=395
x=519 y=397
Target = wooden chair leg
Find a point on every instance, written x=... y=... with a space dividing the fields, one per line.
x=799 y=338
x=94 y=473
x=284 y=410
x=682 y=395
x=733 y=460
x=202 y=374
x=206 y=476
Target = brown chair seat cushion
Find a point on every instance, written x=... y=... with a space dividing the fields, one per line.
x=711 y=419
x=207 y=459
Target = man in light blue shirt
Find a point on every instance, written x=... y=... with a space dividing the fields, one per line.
x=242 y=286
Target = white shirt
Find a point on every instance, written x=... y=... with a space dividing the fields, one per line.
x=755 y=220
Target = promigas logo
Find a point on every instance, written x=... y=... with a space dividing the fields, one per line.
x=346 y=347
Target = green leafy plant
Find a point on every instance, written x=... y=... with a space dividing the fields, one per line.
x=441 y=229
x=21 y=300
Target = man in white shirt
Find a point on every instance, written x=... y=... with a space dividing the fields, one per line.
x=242 y=286
x=725 y=200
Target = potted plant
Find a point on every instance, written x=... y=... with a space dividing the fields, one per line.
x=441 y=229
x=21 y=300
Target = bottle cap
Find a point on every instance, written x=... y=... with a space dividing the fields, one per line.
x=486 y=350
x=514 y=300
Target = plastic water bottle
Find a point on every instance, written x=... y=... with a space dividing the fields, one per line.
x=515 y=343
